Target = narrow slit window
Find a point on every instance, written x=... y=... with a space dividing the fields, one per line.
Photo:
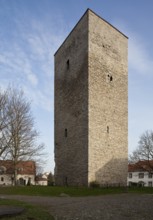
x=110 y=78
x=65 y=132
x=107 y=129
x=68 y=64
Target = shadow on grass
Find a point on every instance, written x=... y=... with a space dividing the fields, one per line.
x=30 y=212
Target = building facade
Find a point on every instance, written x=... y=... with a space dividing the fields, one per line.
x=91 y=105
x=140 y=174
x=26 y=172
x=42 y=179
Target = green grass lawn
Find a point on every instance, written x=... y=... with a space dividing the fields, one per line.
x=31 y=212
x=141 y=190
x=38 y=213
x=57 y=191
x=71 y=191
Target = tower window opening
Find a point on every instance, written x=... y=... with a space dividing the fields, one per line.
x=65 y=132
x=107 y=129
x=68 y=64
x=110 y=78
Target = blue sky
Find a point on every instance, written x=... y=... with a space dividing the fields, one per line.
x=32 y=30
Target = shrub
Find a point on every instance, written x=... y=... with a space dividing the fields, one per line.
x=94 y=184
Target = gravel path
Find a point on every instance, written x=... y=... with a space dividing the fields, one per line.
x=108 y=207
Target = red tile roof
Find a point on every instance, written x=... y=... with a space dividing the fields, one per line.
x=23 y=167
x=41 y=179
x=141 y=166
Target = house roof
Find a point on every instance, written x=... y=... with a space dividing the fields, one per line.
x=23 y=167
x=38 y=179
x=141 y=166
x=41 y=177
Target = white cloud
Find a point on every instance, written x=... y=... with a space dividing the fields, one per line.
x=28 y=59
x=140 y=59
x=40 y=99
x=33 y=79
x=140 y=89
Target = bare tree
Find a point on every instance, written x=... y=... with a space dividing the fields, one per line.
x=144 y=151
x=4 y=121
x=19 y=134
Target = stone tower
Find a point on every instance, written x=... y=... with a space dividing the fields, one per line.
x=91 y=105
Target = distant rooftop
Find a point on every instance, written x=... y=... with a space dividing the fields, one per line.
x=23 y=167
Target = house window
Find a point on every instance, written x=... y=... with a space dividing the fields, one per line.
x=141 y=175
x=65 y=132
x=2 y=179
x=107 y=129
x=130 y=175
x=130 y=183
x=150 y=184
x=149 y=175
x=2 y=170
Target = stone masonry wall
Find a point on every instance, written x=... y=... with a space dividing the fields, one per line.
x=108 y=103
x=71 y=108
x=91 y=100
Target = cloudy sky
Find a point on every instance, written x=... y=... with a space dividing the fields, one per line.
x=32 y=30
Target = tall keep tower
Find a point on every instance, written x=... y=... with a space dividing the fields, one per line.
x=91 y=104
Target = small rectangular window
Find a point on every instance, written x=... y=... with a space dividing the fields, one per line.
x=68 y=64
x=107 y=129
x=141 y=175
x=130 y=183
x=110 y=78
x=150 y=184
x=130 y=175
x=65 y=132
x=149 y=175
x=2 y=179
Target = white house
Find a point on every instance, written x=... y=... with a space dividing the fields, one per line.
x=26 y=172
x=140 y=173
x=42 y=179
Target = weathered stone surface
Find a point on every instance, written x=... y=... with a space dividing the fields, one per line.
x=91 y=102
x=107 y=105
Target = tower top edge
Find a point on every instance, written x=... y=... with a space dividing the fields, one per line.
x=86 y=12
x=89 y=10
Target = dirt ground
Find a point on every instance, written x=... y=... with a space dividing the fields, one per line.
x=107 y=207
